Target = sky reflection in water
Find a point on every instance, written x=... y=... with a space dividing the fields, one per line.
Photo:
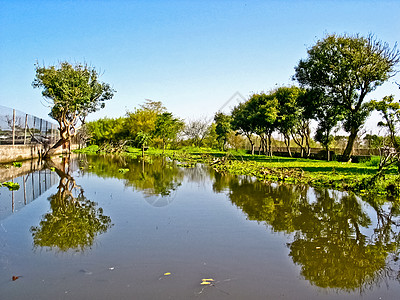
x=107 y=233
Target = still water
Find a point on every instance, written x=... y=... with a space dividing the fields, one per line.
x=112 y=228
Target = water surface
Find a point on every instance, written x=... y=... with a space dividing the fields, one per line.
x=113 y=228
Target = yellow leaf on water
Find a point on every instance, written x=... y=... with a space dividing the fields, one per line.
x=207 y=279
x=205 y=282
x=166 y=274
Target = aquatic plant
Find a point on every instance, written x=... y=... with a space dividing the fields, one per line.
x=12 y=186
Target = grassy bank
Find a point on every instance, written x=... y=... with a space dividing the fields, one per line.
x=338 y=175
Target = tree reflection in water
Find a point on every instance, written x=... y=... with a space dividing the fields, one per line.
x=327 y=229
x=156 y=177
x=74 y=221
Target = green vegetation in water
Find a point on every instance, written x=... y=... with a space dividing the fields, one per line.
x=12 y=186
x=88 y=150
x=356 y=177
x=123 y=171
x=17 y=164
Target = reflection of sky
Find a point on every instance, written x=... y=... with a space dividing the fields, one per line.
x=32 y=185
x=200 y=235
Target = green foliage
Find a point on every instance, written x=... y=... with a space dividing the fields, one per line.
x=242 y=122
x=211 y=138
x=142 y=138
x=346 y=68
x=73 y=92
x=142 y=121
x=390 y=111
x=373 y=162
x=167 y=127
x=107 y=130
x=92 y=149
x=222 y=128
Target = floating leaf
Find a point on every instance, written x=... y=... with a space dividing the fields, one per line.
x=12 y=186
x=167 y=274
x=205 y=283
x=207 y=279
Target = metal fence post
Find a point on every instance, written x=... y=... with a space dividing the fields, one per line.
x=26 y=127
x=13 y=128
x=34 y=127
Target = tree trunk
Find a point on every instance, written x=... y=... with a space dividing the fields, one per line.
x=328 y=156
x=49 y=152
x=251 y=143
x=270 y=144
x=287 y=143
x=349 y=148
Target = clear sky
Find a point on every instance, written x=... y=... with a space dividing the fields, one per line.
x=191 y=55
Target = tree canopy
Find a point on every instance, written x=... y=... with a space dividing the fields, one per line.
x=73 y=91
x=347 y=68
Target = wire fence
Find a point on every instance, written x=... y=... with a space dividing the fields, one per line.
x=19 y=128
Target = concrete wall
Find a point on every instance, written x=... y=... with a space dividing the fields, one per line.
x=9 y=153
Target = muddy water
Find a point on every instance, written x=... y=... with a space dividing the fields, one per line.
x=113 y=228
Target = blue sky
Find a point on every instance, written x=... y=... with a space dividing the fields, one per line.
x=191 y=55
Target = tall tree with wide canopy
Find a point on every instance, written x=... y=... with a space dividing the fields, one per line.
x=347 y=68
x=73 y=91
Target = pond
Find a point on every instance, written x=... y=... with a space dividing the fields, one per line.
x=105 y=227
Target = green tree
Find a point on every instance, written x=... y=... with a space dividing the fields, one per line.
x=167 y=127
x=222 y=128
x=264 y=111
x=143 y=119
x=107 y=130
x=347 y=68
x=316 y=105
x=289 y=113
x=73 y=91
x=242 y=122
x=390 y=111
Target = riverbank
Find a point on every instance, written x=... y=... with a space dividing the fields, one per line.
x=355 y=177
